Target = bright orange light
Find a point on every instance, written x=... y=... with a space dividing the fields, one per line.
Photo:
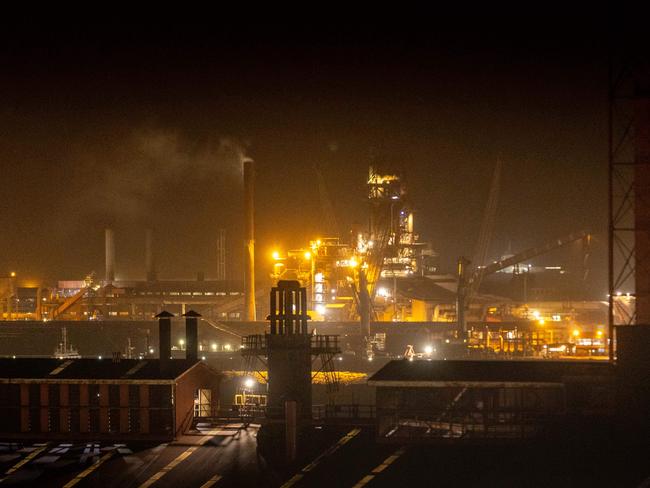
x=541 y=321
x=307 y=255
x=13 y=274
x=599 y=333
x=576 y=332
x=353 y=263
x=276 y=255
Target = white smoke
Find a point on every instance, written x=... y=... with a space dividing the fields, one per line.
x=126 y=182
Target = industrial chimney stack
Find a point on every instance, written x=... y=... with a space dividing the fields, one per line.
x=149 y=261
x=191 y=335
x=249 y=240
x=164 y=337
x=110 y=255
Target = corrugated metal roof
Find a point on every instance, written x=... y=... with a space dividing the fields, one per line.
x=91 y=369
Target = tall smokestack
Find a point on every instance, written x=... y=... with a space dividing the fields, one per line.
x=149 y=261
x=110 y=255
x=249 y=240
x=191 y=335
x=164 y=337
x=221 y=255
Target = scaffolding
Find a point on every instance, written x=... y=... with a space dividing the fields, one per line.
x=629 y=205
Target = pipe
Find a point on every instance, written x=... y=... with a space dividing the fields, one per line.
x=249 y=240
x=110 y=255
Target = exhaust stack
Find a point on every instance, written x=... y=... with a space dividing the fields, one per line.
x=249 y=240
x=221 y=255
x=110 y=255
x=191 y=335
x=149 y=261
x=164 y=337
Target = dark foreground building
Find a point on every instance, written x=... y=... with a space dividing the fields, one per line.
x=103 y=398
x=490 y=401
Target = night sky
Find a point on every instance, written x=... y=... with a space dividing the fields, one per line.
x=134 y=126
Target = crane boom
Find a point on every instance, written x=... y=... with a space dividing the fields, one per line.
x=468 y=286
x=489 y=218
x=527 y=254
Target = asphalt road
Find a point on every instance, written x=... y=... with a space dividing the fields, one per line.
x=225 y=455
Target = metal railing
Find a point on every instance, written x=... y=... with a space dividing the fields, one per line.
x=258 y=344
x=465 y=424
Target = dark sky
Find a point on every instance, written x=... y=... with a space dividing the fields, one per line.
x=124 y=125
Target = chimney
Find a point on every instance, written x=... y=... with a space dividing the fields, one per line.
x=191 y=335
x=164 y=337
x=249 y=240
x=149 y=261
x=110 y=255
x=221 y=255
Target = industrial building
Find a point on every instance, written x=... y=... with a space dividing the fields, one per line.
x=115 y=398
x=102 y=398
x=489 y=401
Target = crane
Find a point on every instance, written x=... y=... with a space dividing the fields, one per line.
x=487 y=226
x=468 y=283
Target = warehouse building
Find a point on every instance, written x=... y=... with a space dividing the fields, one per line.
x=148 y=399
x=490 y=401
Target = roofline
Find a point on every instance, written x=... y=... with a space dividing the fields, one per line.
x=186 y=371
x=205 y=365
x=85 y=381
x=467 y=384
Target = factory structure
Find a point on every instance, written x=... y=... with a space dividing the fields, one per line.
x=380 y=273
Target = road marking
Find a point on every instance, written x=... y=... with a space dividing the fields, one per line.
x=365 y=480
x=387 y=462
x=211 y=481
x=293 y=480
x=26 y=459
x=179 y=459
x=332 y=449
x=207 y=435
x=92 y=468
